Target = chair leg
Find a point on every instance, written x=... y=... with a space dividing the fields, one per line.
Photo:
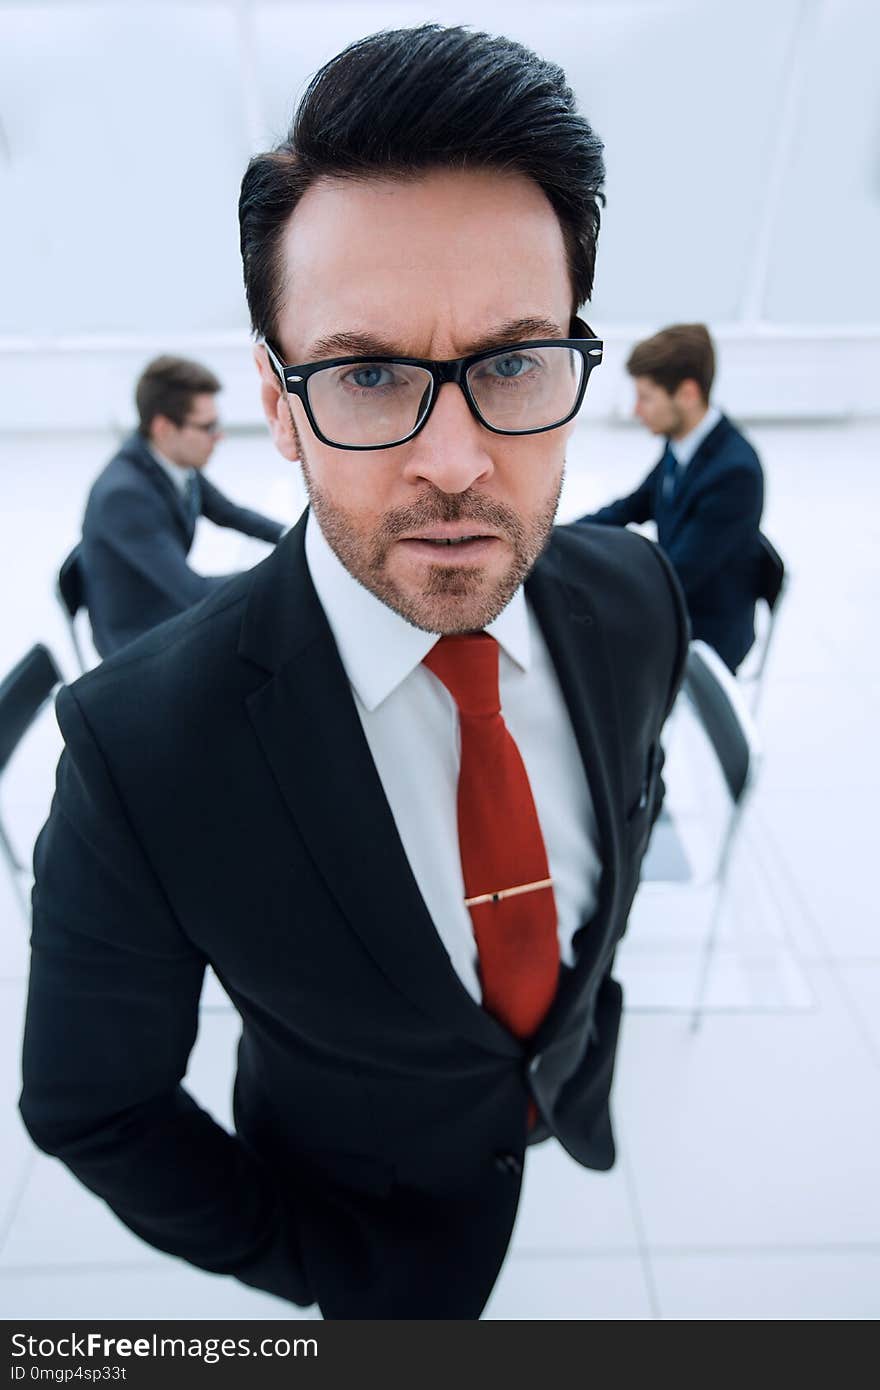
x=712 y=933
x=16 y=873
x=9 y=853
x=706 y=963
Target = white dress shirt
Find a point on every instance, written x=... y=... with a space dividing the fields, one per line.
x=411 y=725
x=684 y=449
x=179 y=476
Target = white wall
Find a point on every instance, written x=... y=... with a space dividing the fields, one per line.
x=743 y=185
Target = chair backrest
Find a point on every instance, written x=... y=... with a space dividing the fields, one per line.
x=722 y=711
x=771 y=572
x=70 y=583
x=22 y=695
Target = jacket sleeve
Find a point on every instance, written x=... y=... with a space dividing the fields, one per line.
x=638 y=507
x=112 y=1016
x=222 y=512
x=722 y=522
x=135 y=528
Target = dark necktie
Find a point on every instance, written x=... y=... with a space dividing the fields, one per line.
x=508 y=889
x=192 y=499
x=670 y=474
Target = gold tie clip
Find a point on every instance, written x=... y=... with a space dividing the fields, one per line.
x=509 y=892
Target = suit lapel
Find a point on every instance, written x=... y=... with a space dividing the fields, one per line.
x=308 y=727
x=572 y=629
x=137 y=451
x=694 y=472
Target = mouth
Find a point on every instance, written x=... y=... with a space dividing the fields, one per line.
x=450 y=544
x=448 y=540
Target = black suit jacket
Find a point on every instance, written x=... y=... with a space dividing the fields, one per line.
x=217 y=802
x=709 y=530
x=136 y=535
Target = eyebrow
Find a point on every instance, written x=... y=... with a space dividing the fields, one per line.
x=372 y=345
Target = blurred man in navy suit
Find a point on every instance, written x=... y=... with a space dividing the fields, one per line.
x=706 y=493
x=141 y=514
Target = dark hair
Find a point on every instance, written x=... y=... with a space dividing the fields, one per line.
x=166 y=386
x=408 y=100
x=682 y=352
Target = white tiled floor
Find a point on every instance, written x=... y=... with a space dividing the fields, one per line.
x=749 y=1150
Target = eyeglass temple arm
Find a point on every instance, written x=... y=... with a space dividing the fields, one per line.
x=274 y=360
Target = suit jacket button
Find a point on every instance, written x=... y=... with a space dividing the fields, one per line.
x=509 y=1163
x=535 y=1064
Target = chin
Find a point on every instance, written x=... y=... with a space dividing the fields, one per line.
x=463 y=601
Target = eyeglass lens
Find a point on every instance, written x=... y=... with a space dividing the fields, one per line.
x=376 y=404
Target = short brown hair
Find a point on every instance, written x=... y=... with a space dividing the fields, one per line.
x=682 y=352
x=166 y=386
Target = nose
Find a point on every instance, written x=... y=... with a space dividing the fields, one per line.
x=451 y=451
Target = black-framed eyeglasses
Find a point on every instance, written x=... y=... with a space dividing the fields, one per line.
x=379 y=402
x=212 y=427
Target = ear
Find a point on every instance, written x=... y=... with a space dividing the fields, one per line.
x=160 y=427
x=689 y=394
x=276 y=408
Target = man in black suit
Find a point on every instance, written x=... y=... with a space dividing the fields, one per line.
x=706 y=493
x=141 y=515
x=395 y=784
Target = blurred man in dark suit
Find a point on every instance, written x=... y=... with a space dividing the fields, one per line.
x=706 y=493
x=141 y=515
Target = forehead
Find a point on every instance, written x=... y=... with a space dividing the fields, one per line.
x=428 y=263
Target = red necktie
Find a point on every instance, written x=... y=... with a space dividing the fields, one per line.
x=506 y=876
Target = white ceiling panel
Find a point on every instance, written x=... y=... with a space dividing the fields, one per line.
x=124 y=147
x=742 y=148
x=684 y=95
x=823 y=266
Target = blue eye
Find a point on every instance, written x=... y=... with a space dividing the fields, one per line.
x=511 y=366
x=370 y=376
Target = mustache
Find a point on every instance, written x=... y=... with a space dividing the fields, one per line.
x=450 y=506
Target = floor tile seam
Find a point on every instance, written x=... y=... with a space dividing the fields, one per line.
x=641 y=1240
x=679 y=951
x=18 y=1194
x=851 y=962
x=854 y=1008
x=17 y=1271
x=784 y=867
x=830 y=964
x=575 y=1252
x=757 y=834
x=831 y=1249
x=719 y=1010
x=526 y=1254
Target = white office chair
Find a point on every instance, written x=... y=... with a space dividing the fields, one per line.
x=771 y=583
x=721 y=708
x=23 y=693
x=71 y=598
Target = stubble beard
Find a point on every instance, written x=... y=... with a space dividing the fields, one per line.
x=452 y=598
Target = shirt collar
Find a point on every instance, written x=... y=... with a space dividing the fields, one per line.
x=179 y=476
x=378 y=647
x=684 y=449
